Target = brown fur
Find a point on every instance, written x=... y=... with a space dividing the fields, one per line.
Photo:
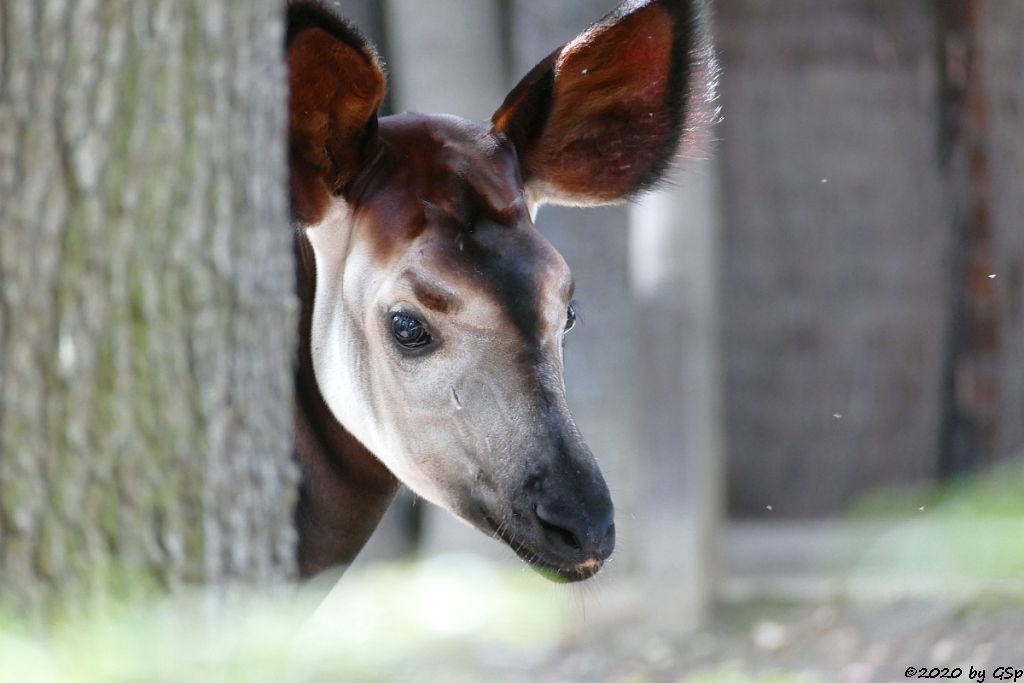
x=596 y=81
x=336 y=85
x=603 y=117
x=433 y=298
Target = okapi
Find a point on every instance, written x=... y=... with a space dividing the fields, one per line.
x=433 y=310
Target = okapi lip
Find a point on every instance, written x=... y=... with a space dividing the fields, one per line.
x=550 y=571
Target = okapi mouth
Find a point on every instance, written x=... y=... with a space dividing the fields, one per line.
x=559 y=573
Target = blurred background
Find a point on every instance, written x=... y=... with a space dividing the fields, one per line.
x=800 y=365
x=828 y=304
x=819 y=326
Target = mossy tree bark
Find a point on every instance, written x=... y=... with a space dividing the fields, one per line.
x=146 y=295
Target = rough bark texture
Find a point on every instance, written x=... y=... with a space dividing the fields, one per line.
x=836 y=235
x=146 y=305
x=1002 y=57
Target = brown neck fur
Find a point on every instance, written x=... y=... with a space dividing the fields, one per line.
x=345 y=490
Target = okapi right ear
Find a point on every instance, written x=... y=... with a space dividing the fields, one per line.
x=604 y=116
x=336 y=86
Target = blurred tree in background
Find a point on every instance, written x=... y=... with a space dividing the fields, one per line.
x=873 y=257
x=146 y=307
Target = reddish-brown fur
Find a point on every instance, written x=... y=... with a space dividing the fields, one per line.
x=596 y=80
x=336 y=88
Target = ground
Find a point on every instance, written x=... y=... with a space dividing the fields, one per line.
x=835 y=641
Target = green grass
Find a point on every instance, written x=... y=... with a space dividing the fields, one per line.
x=969 y=531
x=449 y=619
x=416 y=622
x=997 y=494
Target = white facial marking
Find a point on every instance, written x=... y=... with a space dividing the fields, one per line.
x=340 y=339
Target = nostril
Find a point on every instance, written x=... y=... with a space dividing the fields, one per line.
x=576 y=533
x=563 y=535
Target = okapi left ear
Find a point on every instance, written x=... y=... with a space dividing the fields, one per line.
x=336 y=85
x=604 y=116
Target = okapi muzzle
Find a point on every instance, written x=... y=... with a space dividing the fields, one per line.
x=434 y=313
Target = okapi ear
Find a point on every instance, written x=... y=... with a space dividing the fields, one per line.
x=604 y=116
x=336 y=85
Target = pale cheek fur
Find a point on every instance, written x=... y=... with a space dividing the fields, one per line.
x=342 y=353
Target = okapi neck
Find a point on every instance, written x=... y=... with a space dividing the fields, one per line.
x=345 y=489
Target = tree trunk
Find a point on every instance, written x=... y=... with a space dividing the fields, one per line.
x=835 y=248
x=446 y=56
x=146 y=296
x=1002 y=53
x=674 y=245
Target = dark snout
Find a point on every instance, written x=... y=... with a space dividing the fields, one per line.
x=550 y=503
x=568 y=511
x=578 y=533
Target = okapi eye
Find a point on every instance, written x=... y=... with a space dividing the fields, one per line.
x=570 y=317
x=409 y=332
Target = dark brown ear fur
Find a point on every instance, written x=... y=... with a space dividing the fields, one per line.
x=603 y=117
x=336 y=86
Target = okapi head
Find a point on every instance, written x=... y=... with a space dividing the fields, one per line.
x=439 y=312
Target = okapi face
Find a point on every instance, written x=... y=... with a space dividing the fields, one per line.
x=440 y=310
